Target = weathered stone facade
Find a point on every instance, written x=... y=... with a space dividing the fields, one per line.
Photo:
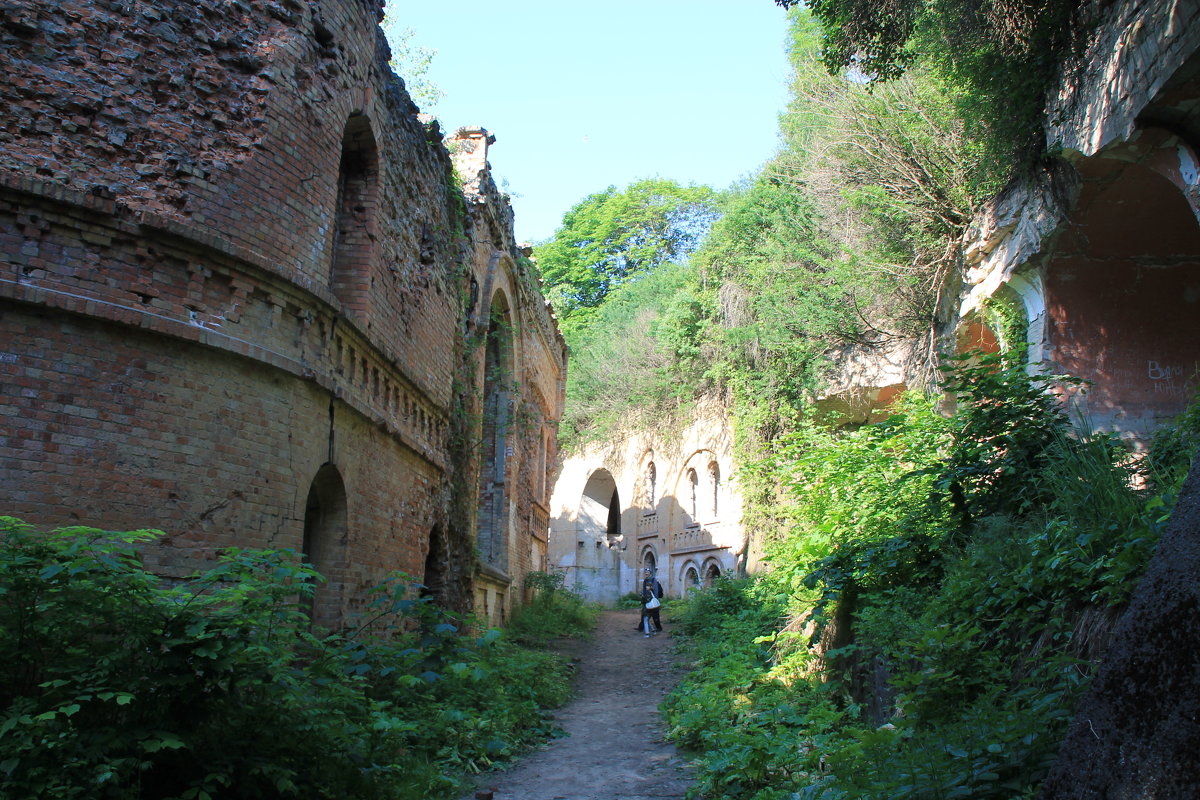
x=241 y=299
x=653 y=499
x=1102 y=252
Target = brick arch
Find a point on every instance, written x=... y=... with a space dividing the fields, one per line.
x=1013 y=316
x=1122 y=288
x=326 y=529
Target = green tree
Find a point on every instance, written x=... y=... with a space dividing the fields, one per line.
x=1003 y=54
x=411 y=62
x=629 y=363
x=612 y=237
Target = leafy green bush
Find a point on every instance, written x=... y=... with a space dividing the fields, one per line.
x=113 y=685
x=1173 y=448
x=958 y=560
x=553 y=612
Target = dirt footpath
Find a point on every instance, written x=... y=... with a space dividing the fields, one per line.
x=613 y=748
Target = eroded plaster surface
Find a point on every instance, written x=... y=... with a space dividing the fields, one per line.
x=668 y=500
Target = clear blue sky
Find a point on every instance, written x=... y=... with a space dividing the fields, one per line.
x=581 y=96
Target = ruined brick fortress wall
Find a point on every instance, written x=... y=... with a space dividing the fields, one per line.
x=658 y=499
x=1099 y=254
x=242 y=301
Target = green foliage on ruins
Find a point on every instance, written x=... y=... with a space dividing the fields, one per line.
x=114 y=685
x=631 y=364
x=411 y=62
x=939 y=595
x=940 y=583
x=1002 y=57
x=553 y=612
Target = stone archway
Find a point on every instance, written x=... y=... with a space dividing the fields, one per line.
x=1122 y=286
x=712 y=572
x=599 y=540
x=650 y=560
x=690 y=578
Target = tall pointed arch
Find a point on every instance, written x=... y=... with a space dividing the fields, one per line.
x=324 y=544
x=498 y=405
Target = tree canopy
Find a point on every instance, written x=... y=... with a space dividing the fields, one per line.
x=612 y=237
x=1002 y=55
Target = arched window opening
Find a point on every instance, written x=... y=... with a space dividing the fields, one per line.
x=613 y=528
x=714 y=483
x=711 y=574
x=324 y=544
x=434 y=582
x=540 y=475
x=651 y=485
x=354 y=218
x=693 y=495
x=498 y=402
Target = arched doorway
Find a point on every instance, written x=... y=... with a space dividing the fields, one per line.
x=650 y=561
x=434 y=582
x=712 y=571
x=325 y=533
x=600 y=542
x=1122 y=286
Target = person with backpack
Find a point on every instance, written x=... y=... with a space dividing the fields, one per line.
x=652 y=593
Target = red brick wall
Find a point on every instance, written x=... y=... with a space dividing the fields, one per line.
x=1123 y=298
x=172 y=350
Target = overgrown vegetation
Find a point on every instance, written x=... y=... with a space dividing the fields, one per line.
x=1000 y=56
x=939 y=592
x=113 y=685
x=941 y=582
x=844 y=239
x=554 y=611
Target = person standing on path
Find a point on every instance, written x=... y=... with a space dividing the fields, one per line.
x=651 y=590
